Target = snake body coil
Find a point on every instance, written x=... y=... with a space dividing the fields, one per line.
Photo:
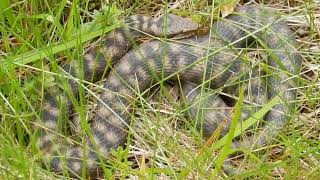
x=208 y=58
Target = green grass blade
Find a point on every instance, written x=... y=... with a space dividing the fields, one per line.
x=241 y=127
x=35 y=55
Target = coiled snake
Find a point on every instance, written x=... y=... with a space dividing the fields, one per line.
x=212 y=58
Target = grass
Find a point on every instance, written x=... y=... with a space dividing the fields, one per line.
x=36 y=35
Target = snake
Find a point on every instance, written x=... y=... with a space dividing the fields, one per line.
x=212 y=59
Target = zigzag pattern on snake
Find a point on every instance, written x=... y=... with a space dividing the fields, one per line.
x=212 y=58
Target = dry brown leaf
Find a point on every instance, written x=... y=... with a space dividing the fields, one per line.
x=227 y=9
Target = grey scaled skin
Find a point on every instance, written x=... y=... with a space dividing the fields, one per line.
x=57 y=103
x=213 y=59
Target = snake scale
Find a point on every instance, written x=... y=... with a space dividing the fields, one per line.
x=212 y=58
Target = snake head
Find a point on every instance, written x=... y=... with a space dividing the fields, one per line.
x=177 y=25
x=168 y=25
